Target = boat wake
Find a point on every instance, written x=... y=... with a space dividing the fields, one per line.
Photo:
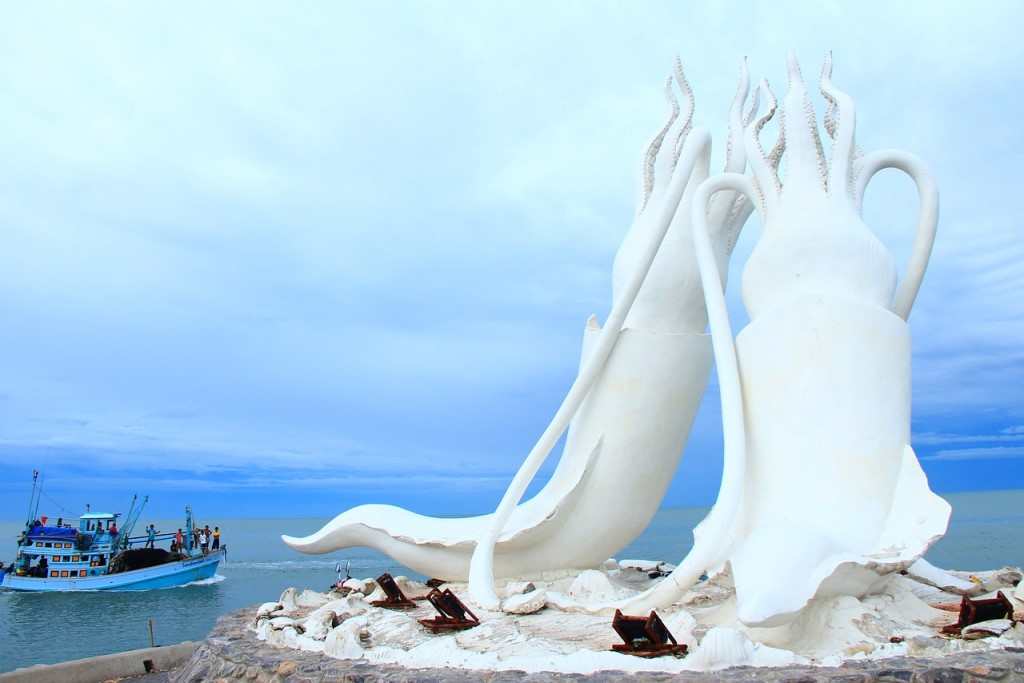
x=293 y=565
x=216 y=578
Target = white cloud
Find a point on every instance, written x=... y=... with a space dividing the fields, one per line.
x=992 y=453
x=941 y=439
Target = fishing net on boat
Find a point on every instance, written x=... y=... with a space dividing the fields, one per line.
x=140 y=558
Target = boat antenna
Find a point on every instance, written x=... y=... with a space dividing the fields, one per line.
x=39 y=495
x=32 y=498
x=188 y=529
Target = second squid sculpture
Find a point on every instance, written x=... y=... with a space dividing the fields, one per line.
x=821 y=493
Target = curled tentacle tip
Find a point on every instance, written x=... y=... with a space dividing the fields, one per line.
x=793 y=68
x=764 y=90
x=755 y=102
x=826 y=66
x=680 y=75
x=673 y=102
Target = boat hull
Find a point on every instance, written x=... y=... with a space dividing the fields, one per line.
x=161 y=576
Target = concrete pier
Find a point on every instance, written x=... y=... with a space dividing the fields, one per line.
x=132 y=663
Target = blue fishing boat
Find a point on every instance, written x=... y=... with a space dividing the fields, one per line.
x=97 y=555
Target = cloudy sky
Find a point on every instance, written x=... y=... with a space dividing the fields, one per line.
x=281 y=260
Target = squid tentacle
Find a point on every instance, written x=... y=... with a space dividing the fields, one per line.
x=766 y=179
x=831 y=106
x=802 y=131
x=735 y=156
x=730 y=210
x=651 y=156
x=687 y=118
x=843 y=130
x=927 y=222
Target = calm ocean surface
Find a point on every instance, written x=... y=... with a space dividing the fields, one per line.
x=987 y=531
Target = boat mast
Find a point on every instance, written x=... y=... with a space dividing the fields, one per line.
x=33 y=505
x=132 y=518
x=188 y=527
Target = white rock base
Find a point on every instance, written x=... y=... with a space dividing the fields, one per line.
x=902 y=617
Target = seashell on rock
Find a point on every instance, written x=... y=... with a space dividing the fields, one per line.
x=348 y=639
x=280 y=623
x=681 y=625
x=309 y=598
x=318 y=624
x=359 y=585
x=722 y=648
x=594 y=586
x=986 y=629
x=287 y=600
x=518 y=588
x=267 y=608
x=525 y=603
x=412 y=589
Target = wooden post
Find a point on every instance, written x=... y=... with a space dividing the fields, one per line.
x=152 y=641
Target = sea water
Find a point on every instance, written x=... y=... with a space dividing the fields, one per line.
x=986 y=532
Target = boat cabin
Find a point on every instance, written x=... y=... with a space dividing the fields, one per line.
x=61 y=551
x=97 y=522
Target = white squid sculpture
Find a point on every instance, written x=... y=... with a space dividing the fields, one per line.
x=821 y=493
x=628 y=412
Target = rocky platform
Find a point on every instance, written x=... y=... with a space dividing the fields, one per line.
x=232 y=652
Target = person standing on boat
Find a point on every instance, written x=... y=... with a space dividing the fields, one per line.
x=216 y=538
x=151 y=536
x=204 y=540
x=179 y=541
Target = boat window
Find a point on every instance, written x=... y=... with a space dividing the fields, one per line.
x=53 y=573
x=64 y=573
x=81 y=572
x=49 y=545
x=67 y=545
x=74 y=558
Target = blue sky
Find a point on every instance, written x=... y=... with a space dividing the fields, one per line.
x=284 y=259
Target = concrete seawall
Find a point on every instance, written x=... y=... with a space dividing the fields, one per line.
x=105 y=667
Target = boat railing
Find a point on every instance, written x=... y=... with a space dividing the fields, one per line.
x=168 y=536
